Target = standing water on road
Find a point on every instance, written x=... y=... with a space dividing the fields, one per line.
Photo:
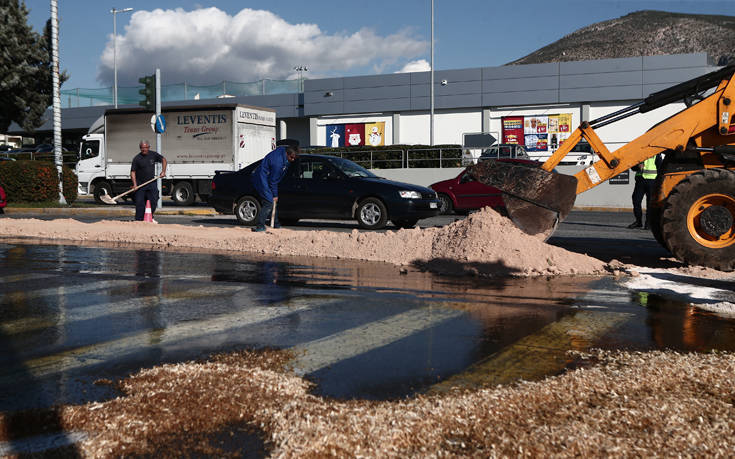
x=75 y=318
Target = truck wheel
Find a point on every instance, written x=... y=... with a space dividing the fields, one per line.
x=247 y=210
x=372 y=214
x=100 y=189
x=445 y=207
x=183 y=194
x=697 y=219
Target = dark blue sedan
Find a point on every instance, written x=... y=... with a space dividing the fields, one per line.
x=327 y=187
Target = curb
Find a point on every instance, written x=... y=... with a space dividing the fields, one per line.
x=104 y=211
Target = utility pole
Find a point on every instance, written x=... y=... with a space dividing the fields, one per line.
x=57 y=97
x=159 y=147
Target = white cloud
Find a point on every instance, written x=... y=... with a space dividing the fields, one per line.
x=206 y=46
x=421 y=65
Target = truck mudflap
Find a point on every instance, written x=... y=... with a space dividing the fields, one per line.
x=536 y=200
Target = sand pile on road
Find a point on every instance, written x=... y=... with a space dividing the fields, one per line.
x=483 y=244
x=629 y=404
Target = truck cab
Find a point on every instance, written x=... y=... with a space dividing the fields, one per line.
x=90 y=164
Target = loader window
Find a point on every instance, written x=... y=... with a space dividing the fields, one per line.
x=89 y=149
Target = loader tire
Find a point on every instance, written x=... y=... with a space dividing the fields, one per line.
x=698 y=219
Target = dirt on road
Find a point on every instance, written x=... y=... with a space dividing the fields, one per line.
x=484 y=244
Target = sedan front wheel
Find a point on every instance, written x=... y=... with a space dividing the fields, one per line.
x=372 y=214
x=247 y=210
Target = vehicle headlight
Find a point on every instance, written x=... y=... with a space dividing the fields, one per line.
x=410 y=194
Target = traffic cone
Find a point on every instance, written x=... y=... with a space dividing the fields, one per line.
x=148 y=217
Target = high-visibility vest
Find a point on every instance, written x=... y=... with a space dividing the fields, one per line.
x=648 y=171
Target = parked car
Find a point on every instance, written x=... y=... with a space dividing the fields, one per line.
x=44 y=148
x=505 y=151
x=463 y=193
x=326 y=187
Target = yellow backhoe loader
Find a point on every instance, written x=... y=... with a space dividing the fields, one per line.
x=693 y=208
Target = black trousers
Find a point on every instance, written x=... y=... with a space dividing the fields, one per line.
x=643 y=187
x=147 y=193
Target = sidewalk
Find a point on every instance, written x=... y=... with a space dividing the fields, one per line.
x=124 y=210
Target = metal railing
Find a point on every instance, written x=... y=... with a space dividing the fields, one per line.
x=128 y=95
x=403 y=159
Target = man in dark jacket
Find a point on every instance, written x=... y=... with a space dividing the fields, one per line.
x=141 y=170
x=267 y=176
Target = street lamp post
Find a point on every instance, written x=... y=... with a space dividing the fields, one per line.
x=431 y=84
x=301 y=69
x=114 y=12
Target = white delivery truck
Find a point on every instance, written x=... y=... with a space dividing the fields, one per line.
x=197 y=141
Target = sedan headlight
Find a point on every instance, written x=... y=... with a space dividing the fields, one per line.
x=410 y=194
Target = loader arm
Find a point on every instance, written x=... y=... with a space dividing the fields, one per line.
x=537 y=199
x=716 y=110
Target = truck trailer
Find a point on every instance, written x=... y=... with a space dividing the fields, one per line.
x=197 y=141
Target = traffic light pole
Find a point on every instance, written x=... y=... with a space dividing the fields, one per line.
x=159 y=147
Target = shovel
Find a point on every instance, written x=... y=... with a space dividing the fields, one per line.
x=108 y=200
x=273 y=213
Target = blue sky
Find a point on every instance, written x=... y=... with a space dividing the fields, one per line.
x=207 y=42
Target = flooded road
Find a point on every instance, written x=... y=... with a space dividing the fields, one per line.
x=76 y=319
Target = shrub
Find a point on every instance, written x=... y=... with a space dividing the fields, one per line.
x=36 y=181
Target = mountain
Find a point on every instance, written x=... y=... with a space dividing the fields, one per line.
x=644 y=33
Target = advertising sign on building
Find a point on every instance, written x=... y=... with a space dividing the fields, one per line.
x=336 y=135
x=375 y=133
x=539 y=132
x=513 y=130
x=535 y=129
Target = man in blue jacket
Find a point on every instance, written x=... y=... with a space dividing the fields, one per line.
x=267 y=176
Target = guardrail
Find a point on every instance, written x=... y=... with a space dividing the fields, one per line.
x=68 y=158
x=403 y=159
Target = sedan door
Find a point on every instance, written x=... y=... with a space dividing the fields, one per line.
x=315 y=189
x=472 y=194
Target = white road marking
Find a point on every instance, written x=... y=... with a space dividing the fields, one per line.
x=317 y=354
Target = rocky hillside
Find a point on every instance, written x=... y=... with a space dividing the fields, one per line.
x=644 y=33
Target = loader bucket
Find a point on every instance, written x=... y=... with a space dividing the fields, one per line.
x=536 y=200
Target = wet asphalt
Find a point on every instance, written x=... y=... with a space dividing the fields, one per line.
x=77 y=318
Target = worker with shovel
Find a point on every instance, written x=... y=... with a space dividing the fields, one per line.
x=267 y=176
x=142 y=171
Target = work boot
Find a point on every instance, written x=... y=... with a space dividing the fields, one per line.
x=635 y=224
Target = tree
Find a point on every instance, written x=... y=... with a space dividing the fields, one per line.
x=26 y=77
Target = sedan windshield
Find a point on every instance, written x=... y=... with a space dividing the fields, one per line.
x=349 y=168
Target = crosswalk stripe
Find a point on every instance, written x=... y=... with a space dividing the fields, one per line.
x=317 y=354
x=64 y=289
x=4 y=280
x=544 y=352
x=95 y=311
x=537 y=355
x=101 y=352
x=41 y=443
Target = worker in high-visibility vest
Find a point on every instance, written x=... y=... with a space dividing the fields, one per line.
x=645 y=180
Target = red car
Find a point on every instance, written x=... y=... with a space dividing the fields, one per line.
x=462 y=194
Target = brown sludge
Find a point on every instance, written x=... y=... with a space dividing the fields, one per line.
x=623 y=404
x=484 y=244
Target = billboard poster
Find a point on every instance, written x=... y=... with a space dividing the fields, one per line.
x=558 y=129
x=336 y=135
x=565 y=123
x=535 y=124
x=513 y=130
x=537 y=142
x=375 y=133
x=355 y=134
